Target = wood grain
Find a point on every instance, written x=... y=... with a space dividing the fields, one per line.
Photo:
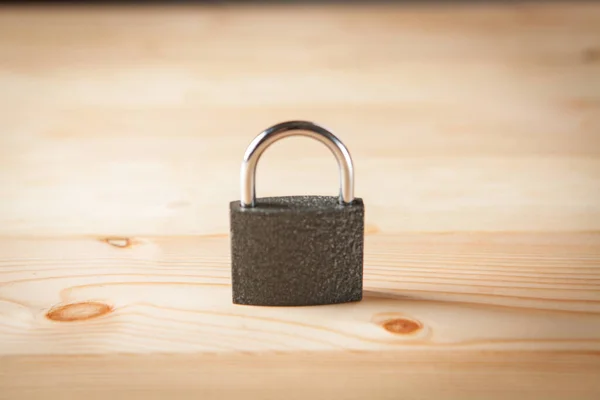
x=525 y=307
x=475 y=130
x=133 y=121
x=383 y=375
x=532 y=291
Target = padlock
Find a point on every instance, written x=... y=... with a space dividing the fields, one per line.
x=296 y=250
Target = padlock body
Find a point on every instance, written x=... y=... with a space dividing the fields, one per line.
x=297 y=251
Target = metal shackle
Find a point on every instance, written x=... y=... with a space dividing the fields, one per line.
x=295 y=128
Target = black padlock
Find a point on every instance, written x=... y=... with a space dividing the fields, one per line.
x=297 y=250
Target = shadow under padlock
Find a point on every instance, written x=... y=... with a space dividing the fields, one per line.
x=296 y=250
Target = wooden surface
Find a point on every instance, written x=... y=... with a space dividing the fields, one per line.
x=469 y=315
x=133 y=121
x=475 y=130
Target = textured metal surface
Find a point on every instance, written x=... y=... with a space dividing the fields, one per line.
x=297 y=250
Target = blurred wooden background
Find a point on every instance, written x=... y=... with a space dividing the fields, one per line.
x=475 y=132
x=134 y=120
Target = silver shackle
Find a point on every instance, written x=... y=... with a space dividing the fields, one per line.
x=295 y=128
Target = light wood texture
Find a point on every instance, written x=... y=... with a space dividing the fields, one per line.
x=482 y=291
x=475 y=130
x=444 y=315
x=323 y=376
x=134 y=120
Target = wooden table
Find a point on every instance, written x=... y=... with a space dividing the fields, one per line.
x=475 y=130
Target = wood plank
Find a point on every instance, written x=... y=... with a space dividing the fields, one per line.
x=133 y=121
x=474 y=130
x=500 y=314
x=384 y=375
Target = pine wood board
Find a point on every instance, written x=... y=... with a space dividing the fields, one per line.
x=455 y=315
x=134 y=120
x=323 y=376
x=474 y=131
